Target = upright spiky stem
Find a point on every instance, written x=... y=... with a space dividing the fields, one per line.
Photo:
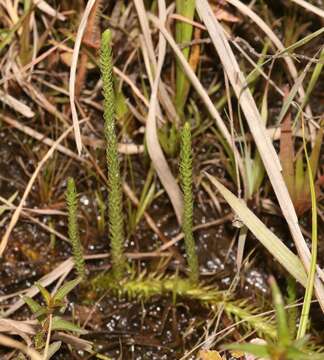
x=73 y=228
x=186 y=184
x=115 y=214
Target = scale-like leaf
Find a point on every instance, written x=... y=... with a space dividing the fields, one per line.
x=65 y=289
x=46 y=295
x=32 y=304
x=60 y=324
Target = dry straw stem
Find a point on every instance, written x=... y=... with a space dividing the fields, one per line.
x=47 y=9
x=159 y=162
x=73 y=69
x=40 y=137
x=165 y=98
x=258 y=130
x=310 y=7
x=11 y=343
x=128 y=149
x=199 y=88
x=16 y=214
x=17 y=105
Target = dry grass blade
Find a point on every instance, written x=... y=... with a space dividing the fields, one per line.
x=34 y=220
x=199 y=88
x=258 y=130
x=74 y=63
x=160 y=164
x=268 y=239
x=39 y=136
x=47 y=9
x=17 y=105
x=11 y=343
x=165 y=99
x=310 y=7
x=17 y=327
x=140 y=8
x=29 y=186
x=128 y=149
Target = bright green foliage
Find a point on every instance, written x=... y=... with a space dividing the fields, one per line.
x=72 y=204
x=292 y=311
x=283 y=345
x=283 y=332
x=52 y=302
x=50 y=313
x=186 y=183
x=116 y=229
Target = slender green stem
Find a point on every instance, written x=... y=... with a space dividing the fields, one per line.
x=115 y=210
x=186 y=182
x=73 y=228
x=312 y=270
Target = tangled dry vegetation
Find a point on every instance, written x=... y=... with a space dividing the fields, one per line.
x=161 y=179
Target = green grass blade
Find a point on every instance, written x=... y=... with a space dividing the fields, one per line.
x=299 y=177
x=302 y=41
x=311 y=276
x=145 y=203
x=289 y=99
x=281 y=316
x=184 y=31
x=316 y=152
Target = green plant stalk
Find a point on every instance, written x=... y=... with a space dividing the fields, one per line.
x=281 y=316
x=292 y=311
x=73 y=228
x=311 y=275
x=186 y=184
x=116 y=229
x=145 y=286
x=184 y=32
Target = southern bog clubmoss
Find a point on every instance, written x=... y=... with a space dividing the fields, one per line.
x=73 y=228
x=144 y=286
x=116 y=228
x=186 y=184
